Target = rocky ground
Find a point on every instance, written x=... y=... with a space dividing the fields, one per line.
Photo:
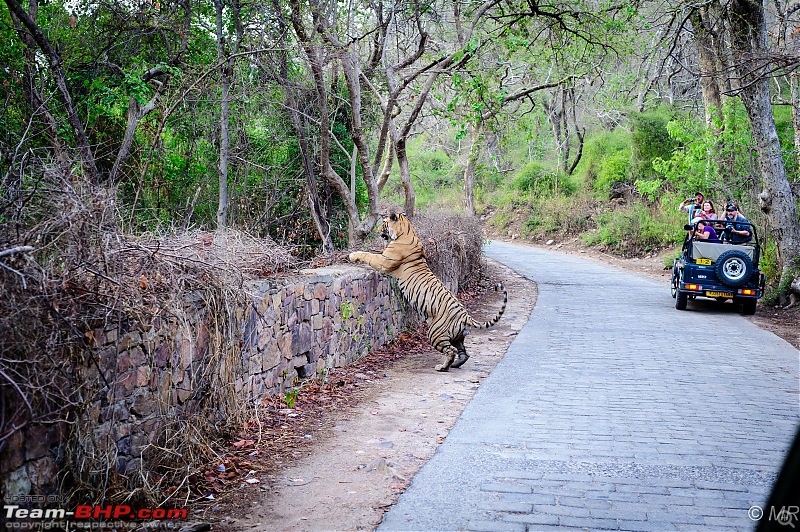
x=350 y=444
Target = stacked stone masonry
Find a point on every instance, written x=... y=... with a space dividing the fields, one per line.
x=185 y=366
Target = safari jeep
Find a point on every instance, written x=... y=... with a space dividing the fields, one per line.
x=720 y=271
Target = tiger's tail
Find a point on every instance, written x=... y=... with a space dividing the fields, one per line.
x=487 y=324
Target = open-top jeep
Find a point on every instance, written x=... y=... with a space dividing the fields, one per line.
x=720 y=271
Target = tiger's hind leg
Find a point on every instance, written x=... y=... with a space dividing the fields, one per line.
x=449 y=355
x=462 y=355
x=443 y=346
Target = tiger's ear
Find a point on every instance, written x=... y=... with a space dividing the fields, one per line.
x=403 y=214
x=393 y=217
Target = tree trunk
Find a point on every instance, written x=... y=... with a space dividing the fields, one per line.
x=794 y=84
x=314 y=55
x=707 y=63
x=353 y=79
x=405 y=176
x=555 y=115
x=476 y=131
x=749 y=42
x=387 y=168
x=315 y=206
x=224 y=122
x=135 y=114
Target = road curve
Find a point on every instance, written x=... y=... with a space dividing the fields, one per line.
x=612 y=410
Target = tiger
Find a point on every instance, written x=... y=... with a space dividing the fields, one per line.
x=404 y=259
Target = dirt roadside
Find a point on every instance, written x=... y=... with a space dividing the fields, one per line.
x=363 y=456
x=359 y=458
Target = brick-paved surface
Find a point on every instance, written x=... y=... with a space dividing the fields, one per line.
x=612 y=410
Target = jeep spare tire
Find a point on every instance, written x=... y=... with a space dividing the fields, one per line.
x=734 y=268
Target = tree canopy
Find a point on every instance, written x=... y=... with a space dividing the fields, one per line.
x=298 y=119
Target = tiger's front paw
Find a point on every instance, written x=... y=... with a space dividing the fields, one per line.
x=441 y=367
x=354 y=256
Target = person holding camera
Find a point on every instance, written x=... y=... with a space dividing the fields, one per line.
x=693 y=206
x=735 y=231
x=704 y=231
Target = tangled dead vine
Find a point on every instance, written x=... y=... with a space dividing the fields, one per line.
x=68 y=274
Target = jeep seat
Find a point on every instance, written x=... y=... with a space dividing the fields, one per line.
x=711 y=250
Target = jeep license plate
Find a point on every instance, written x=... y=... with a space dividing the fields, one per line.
x=706 y=262
x=719 y=294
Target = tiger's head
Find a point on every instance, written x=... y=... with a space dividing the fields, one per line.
x=395 y=225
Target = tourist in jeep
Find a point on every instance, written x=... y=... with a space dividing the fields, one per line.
x=705 y=232
x=736 y=232
x=693 y=206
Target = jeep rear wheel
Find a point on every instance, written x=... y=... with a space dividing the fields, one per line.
x=681 y=299
x=748 y=307
x=734 y=268
x=675 y=280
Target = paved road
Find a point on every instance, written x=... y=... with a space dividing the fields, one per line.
x=612 y=410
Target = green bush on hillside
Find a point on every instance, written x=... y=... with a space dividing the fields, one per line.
x=636 y=228
x=606 y=162
x=650 y=138
x=559 y=214
x=540 y=180
x=613 y=171
x=434 y=168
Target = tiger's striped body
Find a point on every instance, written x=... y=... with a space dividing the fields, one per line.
x=448 y=320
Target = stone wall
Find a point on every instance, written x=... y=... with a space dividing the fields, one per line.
x=188 y=366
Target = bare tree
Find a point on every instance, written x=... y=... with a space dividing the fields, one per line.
x=748 y=33
x=329 y=45
x=226 y=59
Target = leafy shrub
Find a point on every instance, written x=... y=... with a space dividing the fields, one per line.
x=637 y=228
x=434 y=168
x=768 y=263
x=558 y=214
x=612 y=171
x=540 y=180
x=606 y=161
x=650 y=138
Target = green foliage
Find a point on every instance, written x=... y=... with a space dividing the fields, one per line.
x=636 y=228
x=538 y=179
x=291 y=397
x=613 y=171
x=785 y=127
x=434 y=168
x=346 y=309
x=650 y=139
x=768 y=263
x=436 y=177
x=707 y=160
x=559 y=214
x=606 y=161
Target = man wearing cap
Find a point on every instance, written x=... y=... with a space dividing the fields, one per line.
x=736 y=232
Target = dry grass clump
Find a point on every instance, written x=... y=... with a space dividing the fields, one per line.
x=66 y=271
x=233 y=256
x=453 y=246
